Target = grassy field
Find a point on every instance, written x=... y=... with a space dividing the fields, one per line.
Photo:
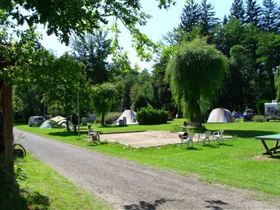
x=43 y=188
x=238 y=162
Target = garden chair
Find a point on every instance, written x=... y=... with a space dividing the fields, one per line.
x=218 y=135
x=186 y=139
x=205 y=137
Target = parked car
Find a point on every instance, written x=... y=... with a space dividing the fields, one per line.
x=35 y=120
x=248 y=115
x=272 y=115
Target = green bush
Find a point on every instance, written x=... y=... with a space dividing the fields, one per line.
x=151 y=116
x=110 y=118
x=259 y=118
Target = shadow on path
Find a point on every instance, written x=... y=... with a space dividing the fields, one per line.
x=216 y=204
x=143 y=205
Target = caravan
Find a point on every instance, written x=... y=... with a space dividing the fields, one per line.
x=272 y=110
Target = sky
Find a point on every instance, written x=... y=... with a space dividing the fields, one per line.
x=162 y=21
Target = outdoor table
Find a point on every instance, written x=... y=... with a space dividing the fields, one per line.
x=275 y=137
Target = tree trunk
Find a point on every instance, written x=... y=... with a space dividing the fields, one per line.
x=7 y=129
x=196 y=115
x=103 y=119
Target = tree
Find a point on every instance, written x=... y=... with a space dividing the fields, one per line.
x=77 y=17
x=196 y=71
x=253 y=12
x=103 y=97
x=93 y=50
x=277 y=83
x=66 y=78
x=270 y=16
x=190 y=16
x=237 y=10
x=208 y=21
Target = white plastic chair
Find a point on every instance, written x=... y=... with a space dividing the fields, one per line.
x=218 y=135
x=205 y=137
x=187 y=140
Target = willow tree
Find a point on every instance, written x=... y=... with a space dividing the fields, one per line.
x=277 y=83
x=196 y=72
x=103 y=97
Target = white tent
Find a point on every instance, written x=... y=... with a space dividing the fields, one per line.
x=128 y=116
x=48 y=124
x=220 y=115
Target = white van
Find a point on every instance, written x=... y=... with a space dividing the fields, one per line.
x=35 y=120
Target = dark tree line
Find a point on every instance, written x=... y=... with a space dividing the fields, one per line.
x=249 y=37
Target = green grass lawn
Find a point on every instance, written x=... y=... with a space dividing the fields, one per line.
x=43 y=188
x=238 y=162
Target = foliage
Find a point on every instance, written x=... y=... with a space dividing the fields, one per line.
x=253 y=11
x=103 y=97
x=208 y=21
x=111 y=117
x=190 y=16
x=150 y=116
x=259 y=118
x=270 y=16
x=93 y=51
x=196 y=71
x=237 y=10
x=277 y=83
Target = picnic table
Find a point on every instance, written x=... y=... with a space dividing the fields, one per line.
x=264 y=139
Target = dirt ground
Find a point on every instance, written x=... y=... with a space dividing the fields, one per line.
x=146 y=139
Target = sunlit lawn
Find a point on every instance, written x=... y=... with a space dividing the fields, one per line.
x=238 y=162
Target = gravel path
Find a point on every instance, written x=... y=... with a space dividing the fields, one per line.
x=128 y=185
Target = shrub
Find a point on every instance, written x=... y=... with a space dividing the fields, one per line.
x=151 y=116
x=259 y=118
x=110 y=118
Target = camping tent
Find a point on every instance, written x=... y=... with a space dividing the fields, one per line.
x=57 y=119
x=49 y=124
x=128 y=116
x=220 y=115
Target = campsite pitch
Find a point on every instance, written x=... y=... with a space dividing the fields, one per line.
x=145 y=139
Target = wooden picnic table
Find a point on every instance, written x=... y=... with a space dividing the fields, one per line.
x=263 y=139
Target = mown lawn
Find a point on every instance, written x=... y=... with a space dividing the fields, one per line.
x=238 y=162
x=43 y=188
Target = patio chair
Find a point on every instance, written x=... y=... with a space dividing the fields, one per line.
x=218 y=135
x=205 y=137
x=186 y=139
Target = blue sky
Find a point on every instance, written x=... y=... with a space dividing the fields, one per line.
x=161 y=22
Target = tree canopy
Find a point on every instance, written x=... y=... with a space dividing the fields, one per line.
x=196 y=71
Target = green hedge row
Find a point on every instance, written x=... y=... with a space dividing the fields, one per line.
x=151 y=116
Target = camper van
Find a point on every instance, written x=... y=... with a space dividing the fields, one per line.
x=272 y=110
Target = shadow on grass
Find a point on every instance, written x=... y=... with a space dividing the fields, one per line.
x=96 y=143
x=66 y=133
x=248 y=133
x=12 y=197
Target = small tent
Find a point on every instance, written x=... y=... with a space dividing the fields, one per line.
x=57 y=119
x=220 y=115
x=49 y=124
x=128 y=116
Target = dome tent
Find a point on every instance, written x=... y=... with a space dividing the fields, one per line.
x=220 y=115
x=130 y=117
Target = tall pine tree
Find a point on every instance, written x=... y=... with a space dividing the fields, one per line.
x=237 y=10
x=269 y=16
x=253 y=12
x=208 y=21
x=190 y=16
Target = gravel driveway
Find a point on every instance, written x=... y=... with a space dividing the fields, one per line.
x=128 y=185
